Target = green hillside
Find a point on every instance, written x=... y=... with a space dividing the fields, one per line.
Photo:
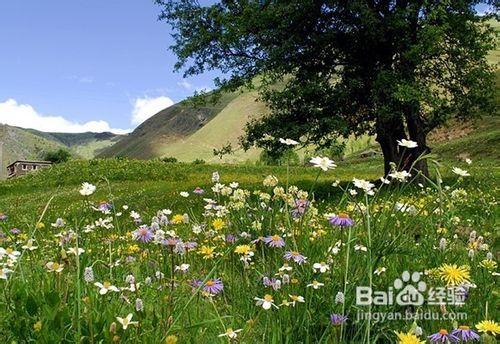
x=19 y=143
x=188 y=133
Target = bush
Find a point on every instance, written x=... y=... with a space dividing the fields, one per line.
x=198 y=162
x=58 y=156
x=169 y=159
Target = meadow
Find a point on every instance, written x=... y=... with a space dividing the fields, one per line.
x=154 y=252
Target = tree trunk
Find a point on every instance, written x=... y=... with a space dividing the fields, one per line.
x=389 y=131
x=418 y=133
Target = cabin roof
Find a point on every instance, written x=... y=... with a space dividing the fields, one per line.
x=40 y=162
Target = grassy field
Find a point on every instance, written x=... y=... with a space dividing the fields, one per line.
x=226 y=277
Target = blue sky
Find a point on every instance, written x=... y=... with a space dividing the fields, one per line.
x=79 y=65
x=67 y=62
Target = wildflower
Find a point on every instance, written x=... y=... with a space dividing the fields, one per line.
x=143 y=234
x=408 y=338
x=272 y=282
x=243 y=249
x=380 y=271
x=321 y=267
x=3 y=217
x=360 y=248
x=364 y=185
x=488 y=264
x=126 y=322
x=218 y=224
x=288 y=142
x=400 y=175
x=230 y=333
x=87 y=189
x=443 y=337
x=184 y=194
x=323 y=162
x=171 y=339
x=468 y=161
x=341 y=220
x=274 y=241
x=315 y=284
x=460 y=172
x=213 y=286
x=285 y=267
x=489 y=326
x=407 y=143
x=207 y=252
x=76 y=251
x=29 y=246
x=54 y=267
x=442 y=244
x=454 y=275
x=267 y=302
x=182 y=267
x=215 y=177
x=385 y=180
x=295 y=256
x=300 y=208
x=105 y=287
x=270 y=181
x=465 y=334
x=4 y=273
x=139 y=305
x=198 y=191
x=337 y=319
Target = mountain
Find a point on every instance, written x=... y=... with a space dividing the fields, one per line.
x=19 y=143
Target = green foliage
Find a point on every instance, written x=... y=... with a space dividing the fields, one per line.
x=395 y=69
x=169 y=159
x=58 y=156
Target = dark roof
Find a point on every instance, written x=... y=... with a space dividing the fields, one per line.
x=31 y=162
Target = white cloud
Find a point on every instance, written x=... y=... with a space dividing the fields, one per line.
x=147 y=107
x=185 y=84
x=25 y=116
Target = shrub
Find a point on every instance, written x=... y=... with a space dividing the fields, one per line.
x=58 y=156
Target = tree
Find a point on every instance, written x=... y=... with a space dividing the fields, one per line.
x=328 y=69
x=58 y=156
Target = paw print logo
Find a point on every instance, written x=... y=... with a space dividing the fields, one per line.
x=409 y=294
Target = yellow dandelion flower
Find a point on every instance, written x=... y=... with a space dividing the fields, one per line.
x=408 y=338
x=207 y=252
x=453 y=274
x=40 y=225
x=37 y=326
x=218 y=224
x=177 y=218
x=488 y=264
x=171 y=339
x=243 y=249
x=488 y=326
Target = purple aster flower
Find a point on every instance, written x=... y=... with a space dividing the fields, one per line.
x=190 y=245
x=301 y=206
x=295 y=256
x=341 y=220
x=259 y=239
x=465 y=334
x=198 y=191
x=104 y=206
x=230 y=239
x=15 y=231
x=274 y=283
x=171 y=242
x=3 y=217
x=337 y=319
x=143 y=234
x=443 y=337
x=274 y=241
x=213 y=286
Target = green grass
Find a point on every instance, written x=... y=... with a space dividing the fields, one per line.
x=65 y=308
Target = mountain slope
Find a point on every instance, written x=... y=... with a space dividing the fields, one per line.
x=178 y=131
